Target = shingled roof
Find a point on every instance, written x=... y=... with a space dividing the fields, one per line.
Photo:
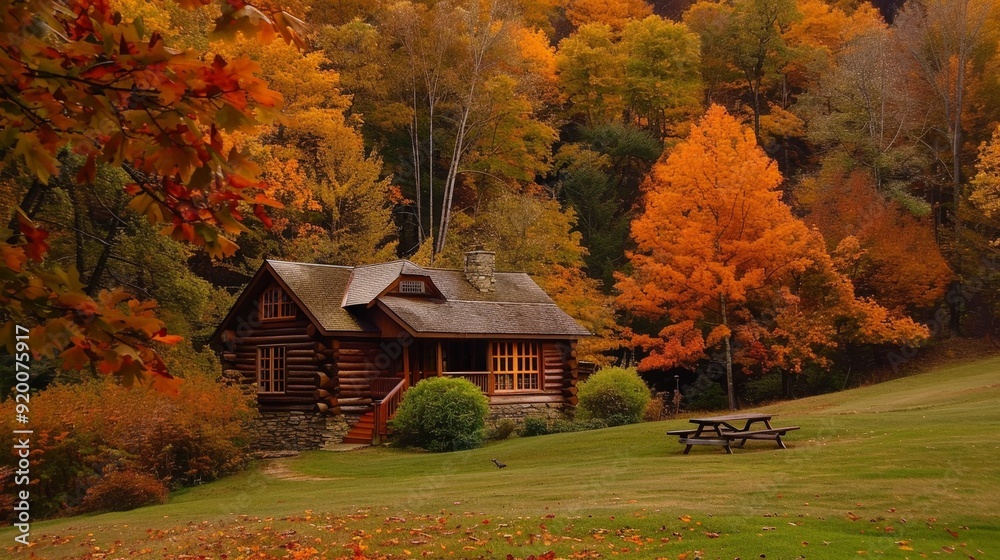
x=336 y=296
x=482 y=317
x=320 y=288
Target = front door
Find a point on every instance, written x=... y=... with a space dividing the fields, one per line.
x=423 y=361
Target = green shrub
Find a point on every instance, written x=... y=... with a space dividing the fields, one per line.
x=84 y=430
x=615 y=395
x=534 y=426
x=122 y=491
x=818 y=381
x=502 y=430
x=706 y=394
x=442 y=414
x=761 y=388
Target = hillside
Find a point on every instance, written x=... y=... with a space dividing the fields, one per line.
x=907 y=464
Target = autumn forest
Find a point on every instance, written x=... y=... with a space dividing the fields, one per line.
x=729 y=190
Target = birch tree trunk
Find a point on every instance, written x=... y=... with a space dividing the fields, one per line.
x=485 y=35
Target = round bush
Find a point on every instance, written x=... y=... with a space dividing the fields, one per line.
x=616 y=395
x=534 y=426
x=122 y=491
x=442 y=414
x=502 y=430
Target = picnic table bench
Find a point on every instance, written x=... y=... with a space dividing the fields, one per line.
x=722 y=431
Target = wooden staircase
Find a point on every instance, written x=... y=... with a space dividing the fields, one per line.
x=362 y=431
x=373 y=426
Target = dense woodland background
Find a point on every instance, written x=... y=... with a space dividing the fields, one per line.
x=543 y=129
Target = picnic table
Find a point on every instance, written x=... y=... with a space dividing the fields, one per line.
x=724 y=430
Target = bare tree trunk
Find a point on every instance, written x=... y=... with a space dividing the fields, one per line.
x=415 y=154
x=30 y=203
x=449 y=184
x=94 y=281
x=484 y=37
x=77 y=228
x=430 y=170
x=727 y=342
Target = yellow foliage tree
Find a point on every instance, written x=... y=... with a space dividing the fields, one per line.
x=338 y=206
x=986 y=183
x=533 y=234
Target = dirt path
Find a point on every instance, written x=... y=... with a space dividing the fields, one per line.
x=280 y=469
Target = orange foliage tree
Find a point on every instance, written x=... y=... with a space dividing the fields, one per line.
x=77 y=77
x=886 y=251
x=723 y=261
x=614 y=13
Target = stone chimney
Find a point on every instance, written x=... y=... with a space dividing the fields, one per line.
x=479 y=267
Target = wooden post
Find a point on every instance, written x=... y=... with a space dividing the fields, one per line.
x=440 y=360
x=491 y=383
x=406 y=361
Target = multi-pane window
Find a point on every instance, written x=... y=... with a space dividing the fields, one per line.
x=411 y=287
x=270 y=369
x=275 y=304
x=515 y=366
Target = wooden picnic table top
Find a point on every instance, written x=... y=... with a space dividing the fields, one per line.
x=717 y=430
x=730 y=417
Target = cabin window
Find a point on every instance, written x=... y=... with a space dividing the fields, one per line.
x=275 y=304
x=516 y=366
x=270 y=369
x=411 y=287
x=464 y=356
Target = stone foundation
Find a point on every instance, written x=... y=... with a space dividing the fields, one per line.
x=518 y=412
x=299 y=431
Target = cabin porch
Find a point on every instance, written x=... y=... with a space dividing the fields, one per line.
x=520 y=377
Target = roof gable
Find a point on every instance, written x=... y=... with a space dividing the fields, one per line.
x=335 y=299
x=320 y=288
x=368 y=282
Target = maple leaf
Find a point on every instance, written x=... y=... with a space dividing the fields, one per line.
x=36 y=247
x=167 y=338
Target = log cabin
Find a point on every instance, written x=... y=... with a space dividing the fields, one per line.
x=328 y=351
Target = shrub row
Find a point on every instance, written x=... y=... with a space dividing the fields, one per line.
x=98 y=445
x=449 y=414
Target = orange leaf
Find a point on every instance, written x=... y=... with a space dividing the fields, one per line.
x=167 y=338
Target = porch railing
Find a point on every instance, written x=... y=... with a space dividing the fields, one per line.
x=480 y=379
x=381 y=386
x=385 y=407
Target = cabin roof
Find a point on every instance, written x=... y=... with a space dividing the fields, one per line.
x=320 y=288
x=482 y=317
x=368 y=281
x=333 y=295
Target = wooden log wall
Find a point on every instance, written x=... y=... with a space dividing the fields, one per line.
x=559 y=371
x=327 y=384
x=355 y=369
x=299 y=339
x=322 y=374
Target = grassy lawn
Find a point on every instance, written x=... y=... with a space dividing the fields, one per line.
x=905 y=469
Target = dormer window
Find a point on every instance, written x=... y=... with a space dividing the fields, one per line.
x=275 y=304
x=412 y=287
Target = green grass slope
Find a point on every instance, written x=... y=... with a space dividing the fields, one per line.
x=904 y=469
